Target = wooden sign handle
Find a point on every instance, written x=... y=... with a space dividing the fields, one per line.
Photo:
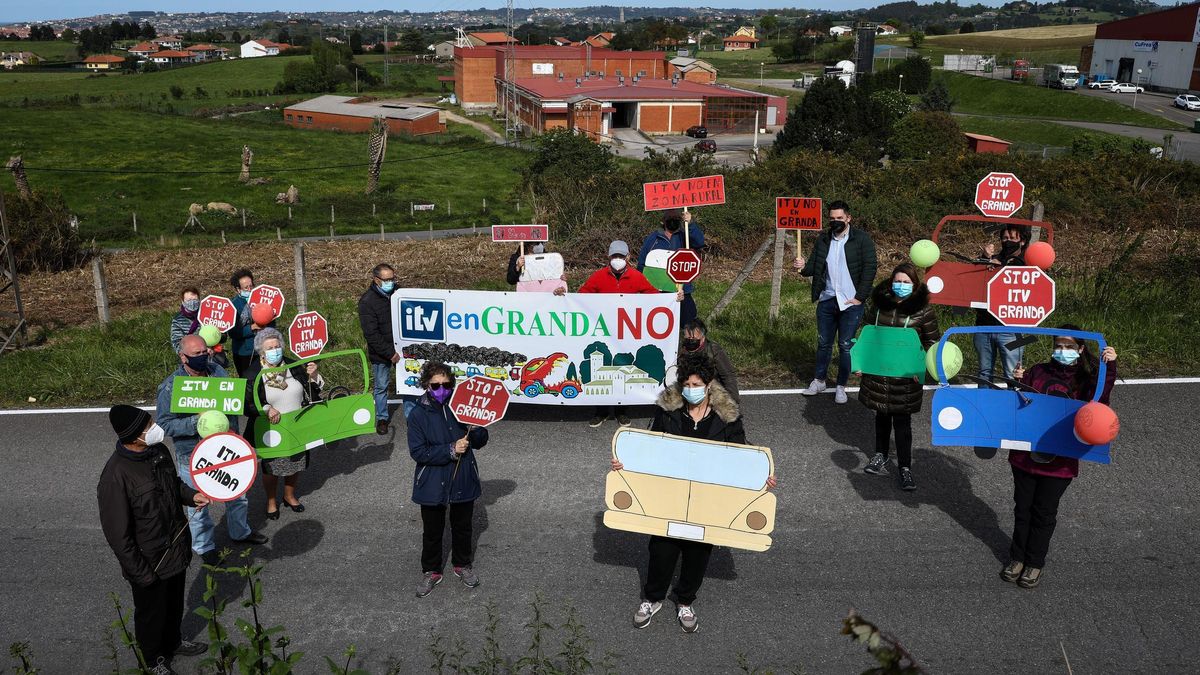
x=799 y=255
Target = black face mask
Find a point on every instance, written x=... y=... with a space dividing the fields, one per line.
x=836 y=227
x=673 y=226
x=198 y=363
x=691 y=344
x=1008 y=249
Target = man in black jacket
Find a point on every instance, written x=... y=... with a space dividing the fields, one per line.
x=375 y=317
x=141 y=512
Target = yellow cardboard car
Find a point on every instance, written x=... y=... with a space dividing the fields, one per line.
x=692 y=489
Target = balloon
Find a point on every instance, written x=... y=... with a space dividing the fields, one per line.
x=211 y=422
x=951 y=360
x=924 y=253
x=1096 y=424
x=262 y=314
x=1040 y=254
x=210 y=334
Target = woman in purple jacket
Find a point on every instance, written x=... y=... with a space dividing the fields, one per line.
x=1038 y=487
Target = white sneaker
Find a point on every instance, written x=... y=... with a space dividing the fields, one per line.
x=815 y=387
x=839 y=395
x=645 y=612
x=687 y=619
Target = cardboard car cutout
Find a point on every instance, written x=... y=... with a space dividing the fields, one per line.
x=888 y=351
x=1017 y=418
x=339 y=415
x=655 y=269
x=542 y=273
x=691 y=489
x=961 y=281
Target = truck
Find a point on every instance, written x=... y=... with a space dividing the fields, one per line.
x=1060 y=76
x=1020 y=69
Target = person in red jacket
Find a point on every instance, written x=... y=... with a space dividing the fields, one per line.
x=1037 y=486
x=617 y=277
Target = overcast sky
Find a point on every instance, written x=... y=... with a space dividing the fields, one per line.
x=26 y=10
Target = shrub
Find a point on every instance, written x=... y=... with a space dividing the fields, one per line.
x=44 y=236
x=922 y=135
x=176 y=91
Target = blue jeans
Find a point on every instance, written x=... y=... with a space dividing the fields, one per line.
x=844 y=323
x=381 y=376
x=990 y=345
x=201 y=524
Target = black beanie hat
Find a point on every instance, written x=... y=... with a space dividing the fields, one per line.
x=127 y=421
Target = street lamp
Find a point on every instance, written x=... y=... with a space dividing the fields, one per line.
x=1136 y=83
x=900 y=87
x=760 y=72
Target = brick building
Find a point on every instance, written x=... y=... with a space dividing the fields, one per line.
x=347 y=113
x=692 y=70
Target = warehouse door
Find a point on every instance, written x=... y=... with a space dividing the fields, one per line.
x=624 y=115
x=1125 y=71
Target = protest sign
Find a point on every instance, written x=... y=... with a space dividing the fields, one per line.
x=223 y=466
x=688 y=192
x=479 y=401
x=199 y=394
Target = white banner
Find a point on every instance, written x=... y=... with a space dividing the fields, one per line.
x=577 y=349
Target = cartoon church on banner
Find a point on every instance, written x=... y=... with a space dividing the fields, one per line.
x=617 y=380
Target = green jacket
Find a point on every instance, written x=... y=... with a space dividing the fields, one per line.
x=860 y=259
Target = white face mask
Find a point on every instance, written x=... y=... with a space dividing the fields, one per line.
x=538 y=249
x=154 y=435
x=617 y=264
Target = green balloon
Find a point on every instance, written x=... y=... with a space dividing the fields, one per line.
x=951 y=360
x=211 y=422
x=924 y=253
x=210 y=334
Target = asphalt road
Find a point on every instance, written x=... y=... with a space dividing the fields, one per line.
x=1119 y=594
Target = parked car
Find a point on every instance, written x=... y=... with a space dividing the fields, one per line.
x=1126 y=88
x=706 y=146
x=1101 y=84
x=1187 y=102
x=697 y=131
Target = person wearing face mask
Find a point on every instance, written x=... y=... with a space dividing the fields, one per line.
x=1013 y=241
x=446 y=478
x=1038 y=487
x=842 y=266
x=140 y=498
x=516 y=262
x=902 y=301
x=184 y=322
x=696 y=341
x=617 y=277
x=181 y=429
x=280 y=392
x=670 y=237
x=375 y=319
x=695 y=406
x=244 y=328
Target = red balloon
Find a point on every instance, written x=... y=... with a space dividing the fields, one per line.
x=262 y=314
x=1040 y=254
x=1096 y=424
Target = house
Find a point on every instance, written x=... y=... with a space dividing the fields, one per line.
x=745 y=31
x=982 y=144
x=103 y=62
x=486 y=38
x=262 y=47
x=208 y=52
x=617 y=380
x=357 y=114
x=838 y=31
x=10 y=60
x=599 y=39
x=692 y=70
x=169 y=42
x=737 y=43
x=143 y=49
x=171 y=57
x=560 y=42
x=443 y=50
x=886 y=29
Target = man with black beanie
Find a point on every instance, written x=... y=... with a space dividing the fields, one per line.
x=141 y=500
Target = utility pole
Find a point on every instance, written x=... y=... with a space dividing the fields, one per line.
x=386 y=80
x=512 y=125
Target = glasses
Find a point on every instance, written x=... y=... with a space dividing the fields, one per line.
x=435 y=386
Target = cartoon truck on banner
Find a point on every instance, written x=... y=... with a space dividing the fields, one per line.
x=962 y=282
x=547 y=376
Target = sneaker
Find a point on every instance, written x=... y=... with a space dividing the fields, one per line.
x=906 y=479
x=189 y=648
x=645 y=612
x=1030 y=578
x=877 y=466
x=1012 y=571
x=839 y=395
x=687 y=619
x=430 y=580
x=623 y=420
x=596 y=421
x=467 y=576
x=381 y=427
x=161 y=668
x=815 y=387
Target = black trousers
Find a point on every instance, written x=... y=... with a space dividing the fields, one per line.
x=687 y=311
x=902 y=424
x=434 y=520
x=1034 y=515
x=242 y=363
x=157 y=613
x=664 y=552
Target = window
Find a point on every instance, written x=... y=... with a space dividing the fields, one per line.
x=289 y=117
x=732 y=466
x=309 y=119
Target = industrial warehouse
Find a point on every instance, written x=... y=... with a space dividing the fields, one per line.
x=1157 y=50
x=356 y=114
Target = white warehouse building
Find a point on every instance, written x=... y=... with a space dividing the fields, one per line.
x=1156 y=50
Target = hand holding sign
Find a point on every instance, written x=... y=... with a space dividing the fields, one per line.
x=223 y=466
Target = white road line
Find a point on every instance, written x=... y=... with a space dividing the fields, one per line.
x=746 y=392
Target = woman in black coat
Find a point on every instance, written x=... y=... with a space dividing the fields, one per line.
x=901 y=301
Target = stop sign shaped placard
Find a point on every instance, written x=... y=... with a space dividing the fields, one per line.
x=683 y=266
x=267 y=295
x=308 y=334
x=999 y=195
x=479 y=401
x=1020 y=296
x=223 y=466
x=218 y=312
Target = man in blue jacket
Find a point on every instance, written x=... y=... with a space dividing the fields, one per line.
x=670 y=238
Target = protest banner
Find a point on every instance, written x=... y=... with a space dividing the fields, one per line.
x=217 y=312
x=223 y=466
x=520 y=233
x=191 y=395
x=308 y=334
x=799 y=214
x=681 y=194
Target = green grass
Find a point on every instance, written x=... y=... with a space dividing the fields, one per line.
x=1039 y=45
x=56 y=51
x=1031 y=134
x=419 y=170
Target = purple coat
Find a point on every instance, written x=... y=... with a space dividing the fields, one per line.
x=1055 y=379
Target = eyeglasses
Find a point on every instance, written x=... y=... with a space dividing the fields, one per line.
x=435 y=386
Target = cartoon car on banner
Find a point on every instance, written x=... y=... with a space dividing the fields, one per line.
x=1016 y=418
x=962 y=282
x=496 y=373
x=691 y=489
x=412 y=365
x=535 y=373
x=339 y=415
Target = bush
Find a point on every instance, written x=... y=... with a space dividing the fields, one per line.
x=176 y=91
x=43 y=237
x=937 y=99
x=923 y=135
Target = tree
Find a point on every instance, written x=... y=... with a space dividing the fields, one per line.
x=650 y=359
x=356 y=43
x=411 y=41
x=69 y=35
x=131 y=63
x=925 y=135
x=622 y=359
x=237 y=37
x=769 y=23
x=937 y=98
x=823 y=120
x=284 y=36
x=966 y=27
x=572 y=373
x=147 y=32
x=585 y=366
x=892 y=104
x=916 y=38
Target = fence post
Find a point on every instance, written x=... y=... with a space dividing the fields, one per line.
x=135 y=222
x=331 y=219
x=777 y=275
x=223 y=237
x=243 y=219
x=289 y=214
x=1039 y=211
x=447 y=207
x=381 y=235
x=372 y=208
x=301 y=281
x=278 y=234
x=101 y=285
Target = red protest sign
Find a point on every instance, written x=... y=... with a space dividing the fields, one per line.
x=223 y=466
x=1020 y=296
x=999 y=195
x=683 y=266
x=516 y=233
x=797 y=213
x=218 y=312
x=267 y=295
x=308 y=334
x=479 y=401
x=675 y=194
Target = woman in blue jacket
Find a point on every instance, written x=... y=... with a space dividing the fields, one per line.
x=446 y=477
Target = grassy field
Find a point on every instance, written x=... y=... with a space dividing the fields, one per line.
x=421 y=171
x=1040 y=45
x=1030 y=134
x=51 y=51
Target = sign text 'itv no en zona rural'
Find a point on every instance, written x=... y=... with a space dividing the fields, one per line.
x=675 y=194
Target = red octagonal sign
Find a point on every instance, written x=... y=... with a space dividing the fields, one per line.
x=683 y=266
x=267 y=295
x=1020 y=296
x=217 y=311
x=308 y=334
x=479 y=401
x=999 y=195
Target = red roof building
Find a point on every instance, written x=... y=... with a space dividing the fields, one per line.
x=983 y=144
x=737 y=43
x=103 y=62
x=143 y=49
x=486 y=38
